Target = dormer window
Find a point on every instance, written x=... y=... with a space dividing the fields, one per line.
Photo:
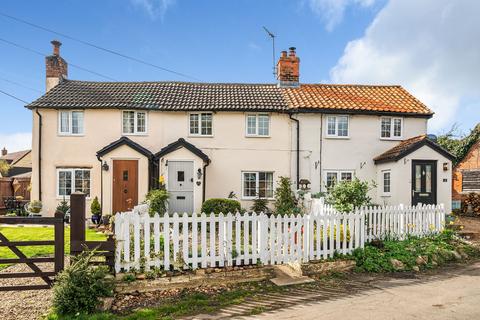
x=134 y=122
x=391 y=128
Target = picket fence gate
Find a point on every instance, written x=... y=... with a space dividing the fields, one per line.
x=201 y=241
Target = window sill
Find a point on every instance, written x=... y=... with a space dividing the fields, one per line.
x=254 y=198
x=337 y=137
x=70 y=135
x=386 y=195
x=200 y=136
x=135 y=134
x=392 y=139
x=256 y=136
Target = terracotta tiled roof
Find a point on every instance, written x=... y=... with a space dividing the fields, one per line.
x=178 y=96
x=175 y=96
x=355 y=98
x=408 y=146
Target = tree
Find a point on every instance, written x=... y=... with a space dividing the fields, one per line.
x=4 y=168
x=458 y=144
x=285 y=201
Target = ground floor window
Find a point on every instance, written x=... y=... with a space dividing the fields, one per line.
x=257 y=184
x=72 y=180
x=386 y=182
x=332 y=176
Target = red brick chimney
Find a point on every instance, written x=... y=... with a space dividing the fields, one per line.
x=56 y=67
x=4 y=151
x=288 y=68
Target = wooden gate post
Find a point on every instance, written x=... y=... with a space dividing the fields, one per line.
x=77 y=220
x=59 y=229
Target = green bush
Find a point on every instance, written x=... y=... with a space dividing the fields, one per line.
x=285 y=201
x=78 y=288
x=95 y=207
x=260 y=205
x=217 y=205
x=158 y=199
x=35 y=206
x=63 y=207
x=345 y=196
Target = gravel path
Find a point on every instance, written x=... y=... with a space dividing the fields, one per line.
x=24 y=305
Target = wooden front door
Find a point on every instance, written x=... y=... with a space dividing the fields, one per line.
x=125 y=185
x=424 y=182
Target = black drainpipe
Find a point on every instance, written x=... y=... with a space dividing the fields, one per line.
x=204 y=180
x=39 y=154
x=298 y=148
x=101 y=184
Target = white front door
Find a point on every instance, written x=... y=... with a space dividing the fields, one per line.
x=180 y=186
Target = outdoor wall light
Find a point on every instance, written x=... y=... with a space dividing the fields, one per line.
x=105 y=166
x=199 y=173
x=445 y=166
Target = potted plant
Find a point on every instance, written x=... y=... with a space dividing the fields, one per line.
x=96 y=211
x=35 y=207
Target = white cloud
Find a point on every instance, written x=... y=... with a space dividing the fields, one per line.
x=430 y=47
x=16 y=141
x=332 y=11
x=154 y=8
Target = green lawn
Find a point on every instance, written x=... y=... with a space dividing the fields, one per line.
x=38 y=233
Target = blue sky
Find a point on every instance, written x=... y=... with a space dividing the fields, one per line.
x=346 y=41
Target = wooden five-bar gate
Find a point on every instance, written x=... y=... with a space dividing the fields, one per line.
x=78 y=244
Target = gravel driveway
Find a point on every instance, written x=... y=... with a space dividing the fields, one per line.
x=24 y=305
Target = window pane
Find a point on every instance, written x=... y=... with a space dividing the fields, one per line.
x=428 y=178
x=418 y=178
x=263 y=124
x=397 y=127
x=64 y=183
x=128 y=121
x=141 y=122
x=82 y=181
x=342 y=126
x=64 y=122
x=386 y=182
x=346 y=176
x=265 y=184
x=206 y=124
x=331 y=125
x=194 y=125
x=386 y=127
x=251 y=124
x=77 y=122
x=249 y=184
x=331 y=179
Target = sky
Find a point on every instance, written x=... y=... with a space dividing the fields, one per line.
x=430 y=47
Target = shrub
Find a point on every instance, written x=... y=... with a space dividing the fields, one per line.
x=347 y=195
x=35 y=206
x=4 y=168
x=158 y=200
x=285 y=201
x=63 y=207
x=217 y=205
x=78 y=288
x=260 y=205
x=95 y=207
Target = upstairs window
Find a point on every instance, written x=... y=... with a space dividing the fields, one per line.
x=201 y=124
x=258 y=125
x=72 y=180
x=337 y=126
x=391 y=128
x=70 y=123
x=134 y=122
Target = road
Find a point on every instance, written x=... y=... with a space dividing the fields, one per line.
x=454 y=294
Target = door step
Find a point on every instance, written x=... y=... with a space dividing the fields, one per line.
x=287 y=275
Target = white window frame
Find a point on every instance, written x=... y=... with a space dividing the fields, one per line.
x=385 y=193
x=335 y=135
x=199 y=134
x=338 y=173
x=70 y=123
x=256 y=134
x=392 y=128
x=72 y=171
x=257 y=184
x=135 y=123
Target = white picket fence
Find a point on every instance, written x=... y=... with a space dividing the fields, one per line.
x=200 y=241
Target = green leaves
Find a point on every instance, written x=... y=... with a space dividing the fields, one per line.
x=285 y=201
x=345 y=196
x=158 y=199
